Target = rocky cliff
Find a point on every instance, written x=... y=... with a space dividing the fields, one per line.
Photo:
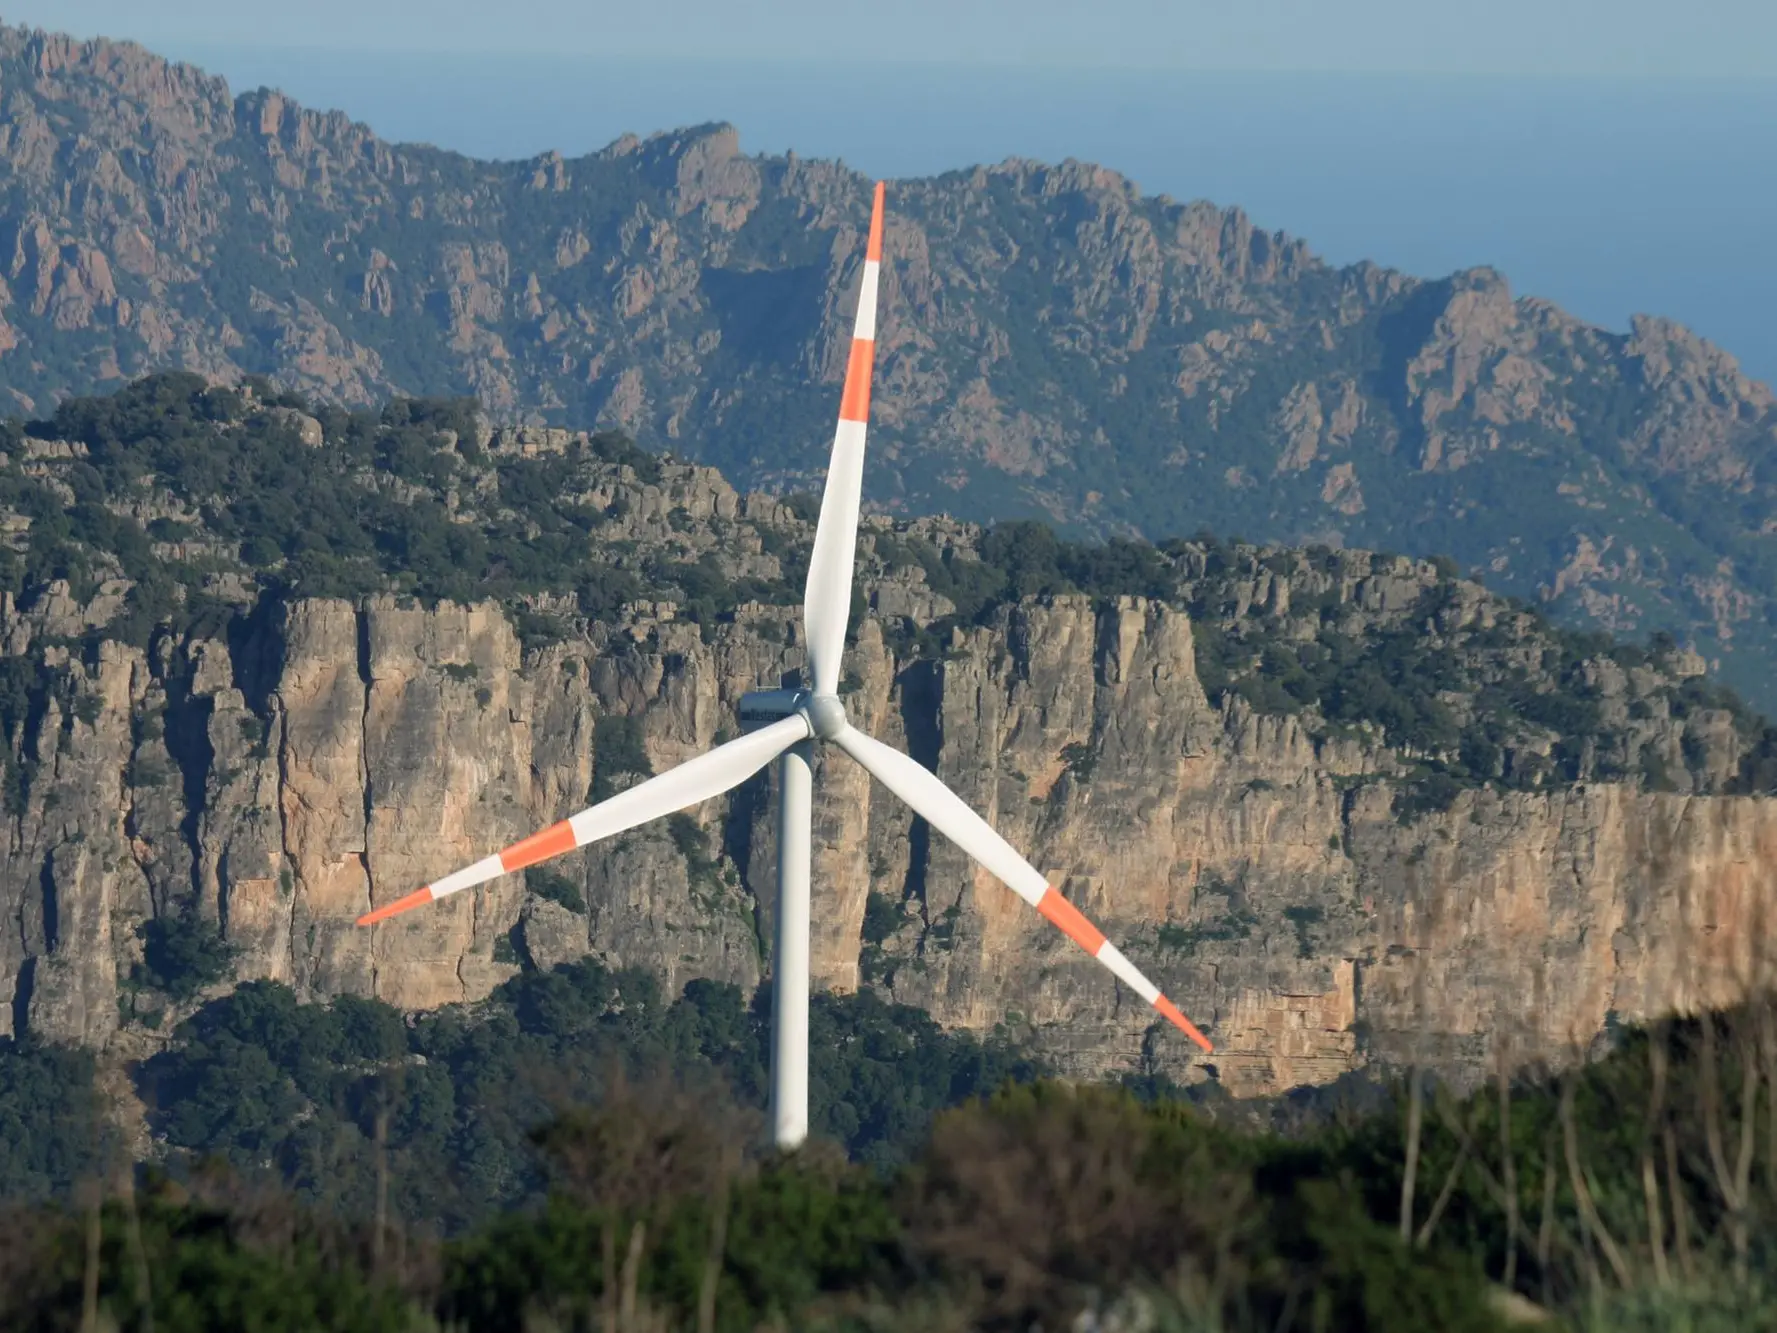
x=1052 y=343
x=1343 y=807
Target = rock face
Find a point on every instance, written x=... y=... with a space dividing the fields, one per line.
x=324 y=757
x=1051 y=341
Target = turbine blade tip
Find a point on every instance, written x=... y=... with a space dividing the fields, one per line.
x=418 y=898
x=873 y=247
x=1170 y=1012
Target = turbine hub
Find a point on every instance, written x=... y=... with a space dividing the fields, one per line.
x=825 y=714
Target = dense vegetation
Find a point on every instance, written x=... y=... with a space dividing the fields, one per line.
x=371 y=510
x=50 y=1129
x=621 y=1192
x=312 y=1096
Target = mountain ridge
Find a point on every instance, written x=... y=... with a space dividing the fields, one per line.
x=1053 y=343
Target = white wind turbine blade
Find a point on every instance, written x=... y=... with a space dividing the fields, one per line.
x=691 y=783
x=945 y=811
x=826 y=602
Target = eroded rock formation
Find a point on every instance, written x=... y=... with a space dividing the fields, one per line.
x=326 y=756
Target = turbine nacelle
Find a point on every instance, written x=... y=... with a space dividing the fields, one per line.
x=760 y=708
x=824 y=713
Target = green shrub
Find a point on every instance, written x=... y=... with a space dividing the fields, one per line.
x=618 y=753
x=182 y=955
x=557 y=888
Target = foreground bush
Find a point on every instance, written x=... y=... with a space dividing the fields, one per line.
x=1025 y=1209
x=1635 y=1193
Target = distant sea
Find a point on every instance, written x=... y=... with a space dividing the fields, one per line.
x=1608 y=196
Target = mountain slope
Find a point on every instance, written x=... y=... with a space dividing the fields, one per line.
x=1052 y=342
x=1344 y=806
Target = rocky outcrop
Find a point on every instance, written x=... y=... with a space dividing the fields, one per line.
x=326 y=757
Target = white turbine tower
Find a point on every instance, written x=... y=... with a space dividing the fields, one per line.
x=783 y=725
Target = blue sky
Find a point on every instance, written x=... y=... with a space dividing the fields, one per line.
x=1610 y=37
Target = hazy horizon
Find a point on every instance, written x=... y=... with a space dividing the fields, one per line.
x=1560 y=37
x=1608 y=196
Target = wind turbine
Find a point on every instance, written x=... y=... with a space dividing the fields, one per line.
x=784 y=725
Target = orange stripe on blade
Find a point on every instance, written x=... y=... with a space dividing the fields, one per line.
x=1065 y=915
x=855 y=405
x=1183 y=1024
x=552 y=841
x=418 y=898
x=874 y=249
